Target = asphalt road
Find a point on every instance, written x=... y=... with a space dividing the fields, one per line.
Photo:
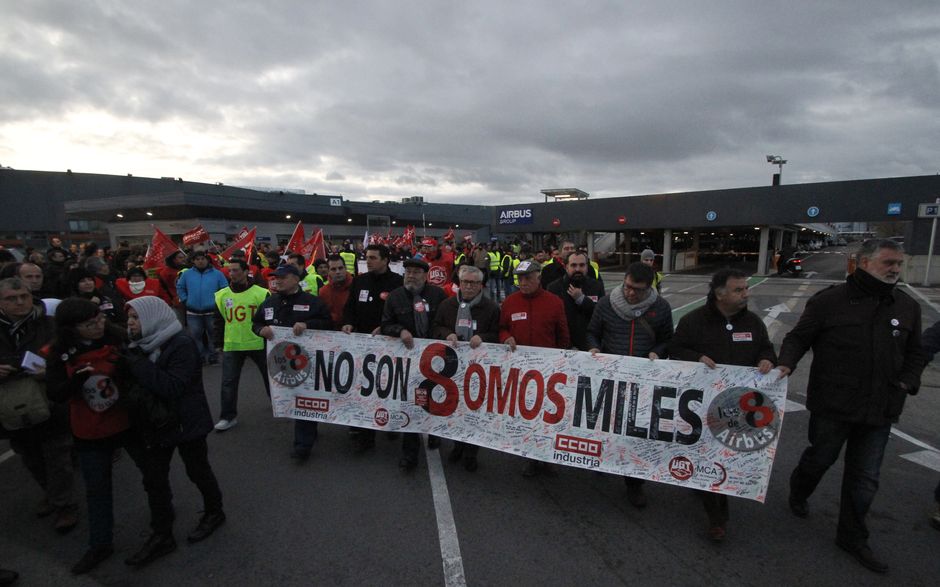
x=356 y=520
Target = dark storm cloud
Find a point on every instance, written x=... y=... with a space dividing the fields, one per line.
x=501 y=98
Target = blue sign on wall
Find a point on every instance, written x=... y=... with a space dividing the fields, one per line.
x=812 y=211
x=711 y=215
x=516 y=216
x=894 y=209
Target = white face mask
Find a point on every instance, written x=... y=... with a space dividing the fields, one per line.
x=137 y=286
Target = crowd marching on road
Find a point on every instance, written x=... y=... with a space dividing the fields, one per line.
x=99 y=357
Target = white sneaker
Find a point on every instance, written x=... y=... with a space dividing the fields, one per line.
x=224 y=425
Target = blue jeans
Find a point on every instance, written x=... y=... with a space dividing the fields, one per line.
x=865 y=449
x=197 y=324
x=95 y=458
x=232 y=363
x=495 y=286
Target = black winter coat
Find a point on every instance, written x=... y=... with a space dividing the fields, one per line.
x=864 y=345
x=579 y=316
x=485 y=315
x=287 y=310
x=176 y=378
x=399 y=314
x=704 y=332
x=612 y=334
x=366 y=300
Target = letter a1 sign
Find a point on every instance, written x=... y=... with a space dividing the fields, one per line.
x=812 y=211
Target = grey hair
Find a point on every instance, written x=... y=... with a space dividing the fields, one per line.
x=12 y=283
x=473 y=271
x=93 y=263
x=871 y=247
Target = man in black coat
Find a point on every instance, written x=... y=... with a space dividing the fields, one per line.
x=723 y=331
x=408 y=314
x=867 y=358
x=580 y=294
x=363 y=313
x=300 y=310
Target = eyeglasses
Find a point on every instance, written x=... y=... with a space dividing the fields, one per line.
x=466 y=282
x=638 y=290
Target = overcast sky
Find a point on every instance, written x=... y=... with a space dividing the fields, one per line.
x=472 y=101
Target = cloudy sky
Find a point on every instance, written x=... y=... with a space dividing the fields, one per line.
x=472 y=101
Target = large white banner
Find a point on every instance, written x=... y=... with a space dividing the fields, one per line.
x=668 y=421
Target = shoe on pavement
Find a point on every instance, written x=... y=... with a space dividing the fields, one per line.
x=433 y=441
x=935 y=518
x=207 y=525
x=636 y=496
x=66 y=519
x=864 y=556
x=716 y=533
x=91 y=559
x=799 y=507
x=156 y=546
x=223 y=424
x=406 y=464
x=300 y=454
x=470 y=464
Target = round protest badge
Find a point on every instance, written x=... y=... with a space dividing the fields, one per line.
x=99 y=393
x=743 y=419
x=289 y=364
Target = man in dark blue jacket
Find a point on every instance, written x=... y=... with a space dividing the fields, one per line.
x=300 y=310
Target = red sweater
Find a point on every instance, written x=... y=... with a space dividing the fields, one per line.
x=335 y=298
x=105 y=419
x=535 y=320
x=152 y=287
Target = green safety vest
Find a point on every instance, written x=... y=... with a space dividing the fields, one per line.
x=597 y=269
x=507 y=265
x=350 y=260
x=312 y=282
x=237 y=310
x=494 y=260
x=515 y=278
x=458 y=259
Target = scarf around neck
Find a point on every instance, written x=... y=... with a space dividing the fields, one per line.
x=625 y=309
x=158 y=324
x=464 y=326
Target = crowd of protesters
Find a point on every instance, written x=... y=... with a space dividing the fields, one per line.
x=118 y=351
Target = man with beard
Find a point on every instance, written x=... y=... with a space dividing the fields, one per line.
x=291 y=306
x=363 y=313
x=408 y=314
x=636 y=322
x=867 y=358
x=580 y=294
x=723 y=331
x=470 y=317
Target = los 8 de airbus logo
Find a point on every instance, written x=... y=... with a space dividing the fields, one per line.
x=289 y=364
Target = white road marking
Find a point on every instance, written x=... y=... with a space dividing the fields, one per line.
x=6 y=455
x=793 y=406
x=446 y=528
x=925 y=458
x=924 y=298
x=912 y=440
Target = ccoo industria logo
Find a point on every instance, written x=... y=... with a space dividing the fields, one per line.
x=516 y=216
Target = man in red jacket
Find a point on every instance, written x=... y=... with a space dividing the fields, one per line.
x=533 y=317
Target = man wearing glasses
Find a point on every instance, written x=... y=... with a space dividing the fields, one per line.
x=468 y=317
x=635 y=321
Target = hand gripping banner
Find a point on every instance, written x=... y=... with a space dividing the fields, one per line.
x=668 y=421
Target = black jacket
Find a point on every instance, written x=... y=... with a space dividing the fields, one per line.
x=398 y=313
x=578 y=315
x=485 y=316
x=612 y=334
x=864 y=345
x=366 y=301
x=704 y=332
x=287 y=310
x=176 y=377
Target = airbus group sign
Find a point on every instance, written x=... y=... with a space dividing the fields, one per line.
x=516 y=216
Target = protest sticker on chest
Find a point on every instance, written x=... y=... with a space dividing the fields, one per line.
x=742 y=337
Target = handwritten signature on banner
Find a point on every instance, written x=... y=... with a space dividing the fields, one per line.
x=668 y=421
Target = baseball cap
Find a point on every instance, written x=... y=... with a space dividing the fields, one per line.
x=283 y=270
x=527 y=267
x=429 y=242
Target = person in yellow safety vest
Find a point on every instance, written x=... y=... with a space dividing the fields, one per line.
x=237 y=304
x=506 y=268
x=311 y=282
x=495 y=277
x=349 y=258
x=648 y=257
x=459 y=258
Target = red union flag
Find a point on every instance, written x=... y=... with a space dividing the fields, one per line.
x=296 y=242
x=450 y=234
x=195 y=236
x=160 y=248
x=314 y=248
x=243 y=243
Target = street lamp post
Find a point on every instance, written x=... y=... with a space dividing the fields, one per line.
x=779 y=162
